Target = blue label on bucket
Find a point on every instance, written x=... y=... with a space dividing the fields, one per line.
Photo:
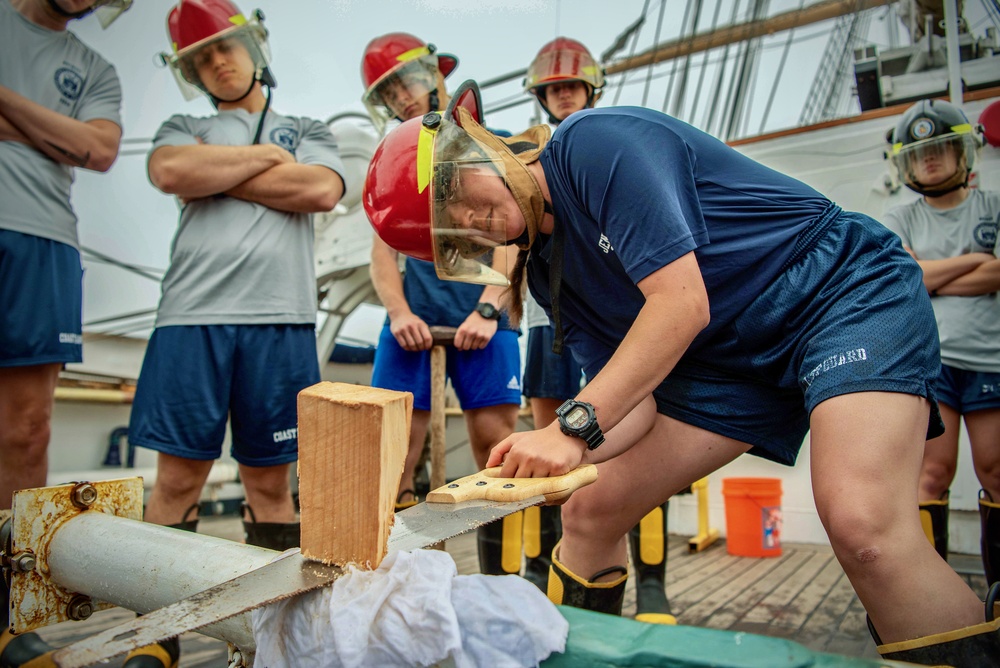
x=771 y=522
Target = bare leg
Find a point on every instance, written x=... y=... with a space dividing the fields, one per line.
x=940 y=458
x=667 y=459
x=418 y=434
x=866 y=454
x=488 y=426
x=26 y=399
x=269 y=492
x=543 y=410
x=178 y=486
x=984 y=435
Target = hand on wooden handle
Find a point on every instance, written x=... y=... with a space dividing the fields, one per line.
x=489 y=486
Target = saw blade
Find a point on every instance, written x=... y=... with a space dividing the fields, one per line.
x=291 y=574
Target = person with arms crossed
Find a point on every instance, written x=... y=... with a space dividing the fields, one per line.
x=235 y=331
x=60 y=109
x=951 y=231
x=705 y=335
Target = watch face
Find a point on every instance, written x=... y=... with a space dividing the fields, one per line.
x=577 y=417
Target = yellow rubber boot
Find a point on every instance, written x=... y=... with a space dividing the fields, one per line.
x=934 y=519
x=648 y=544
x=499 y=546
x=542 y=530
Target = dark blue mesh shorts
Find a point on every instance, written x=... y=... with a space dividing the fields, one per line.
x=848 y=314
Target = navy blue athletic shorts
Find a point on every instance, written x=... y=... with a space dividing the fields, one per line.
x=547 y=375
x=487 y=377
x=848 y=314
x=194 y=378
x=41 y=301
x=967 y=391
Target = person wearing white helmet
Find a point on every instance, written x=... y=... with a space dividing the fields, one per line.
x=404 y=79
x=719 y=308
x=60 y=110
x=951 y=230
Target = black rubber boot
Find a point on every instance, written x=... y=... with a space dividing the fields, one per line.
x=989 y=513
x=977 y=645
x=499 y=546
x=166 y=653
x=278 y=536
x=648 y=543
x=542 y=530
x=568 y=588
x=934 y=519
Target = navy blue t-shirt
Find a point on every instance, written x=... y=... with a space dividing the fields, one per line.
x=634 y=190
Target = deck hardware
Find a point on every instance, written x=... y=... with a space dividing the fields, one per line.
x=79 y=608
x=83 y=495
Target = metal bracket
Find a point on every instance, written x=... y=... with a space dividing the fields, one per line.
x=35 y=600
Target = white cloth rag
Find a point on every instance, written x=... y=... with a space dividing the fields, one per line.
x=414 y=610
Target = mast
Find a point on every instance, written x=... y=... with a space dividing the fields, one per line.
x=821 y=11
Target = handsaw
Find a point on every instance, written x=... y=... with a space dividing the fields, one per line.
x=448 y=511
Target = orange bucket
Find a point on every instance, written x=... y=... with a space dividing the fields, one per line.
x=753 y=516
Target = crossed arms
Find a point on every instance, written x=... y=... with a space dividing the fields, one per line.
x=88 y=144
x=963 y=276
x=264 y=173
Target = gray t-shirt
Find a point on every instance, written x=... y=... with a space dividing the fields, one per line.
x=238 y=262
x=56 y=70
x=969 y=327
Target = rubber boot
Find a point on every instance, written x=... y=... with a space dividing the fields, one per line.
x=403 y=505
x=989 y=513
x=648 y=543
x=499 y=546
x=166 y=653
x=542 y=530
x=17 y=650
x=278 y=536
x=934 y=519
x=568 y=588
x=970 y=646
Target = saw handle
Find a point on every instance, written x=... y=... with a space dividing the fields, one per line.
x=488 y=485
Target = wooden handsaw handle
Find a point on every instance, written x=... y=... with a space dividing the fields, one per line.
x=488 y=485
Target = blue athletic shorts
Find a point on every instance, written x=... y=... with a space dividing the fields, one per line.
x=194 y=378
x=547 y=375
x=487 y=377
x=41 y=301
x=848 y=314
x=967 y=391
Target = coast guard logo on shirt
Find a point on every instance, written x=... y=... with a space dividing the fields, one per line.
x=986 y=233
x=604 y=244
x=69 y=83
x=286 y=138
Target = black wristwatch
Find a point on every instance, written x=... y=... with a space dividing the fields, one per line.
x=488 y=311
x=577 y=418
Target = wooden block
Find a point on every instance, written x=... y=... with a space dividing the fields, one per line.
x=352 y=447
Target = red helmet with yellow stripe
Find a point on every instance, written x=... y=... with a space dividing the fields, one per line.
x=398 y=67
x=564 y=59
x=195 y=24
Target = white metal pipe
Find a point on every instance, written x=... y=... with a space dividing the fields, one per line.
x=954 y=59
x=143 y=566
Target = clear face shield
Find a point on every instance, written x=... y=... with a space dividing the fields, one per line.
x=468 y=221
x=185 y=63
x=398 y=94
x=934 y=161
x=107 y=11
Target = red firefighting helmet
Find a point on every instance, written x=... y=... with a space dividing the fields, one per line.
x=401 y=60
x=564 y=59
x=413 y=177
x=194 y=24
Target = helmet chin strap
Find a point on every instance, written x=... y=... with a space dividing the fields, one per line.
x=960 y=179
x=70 y=15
